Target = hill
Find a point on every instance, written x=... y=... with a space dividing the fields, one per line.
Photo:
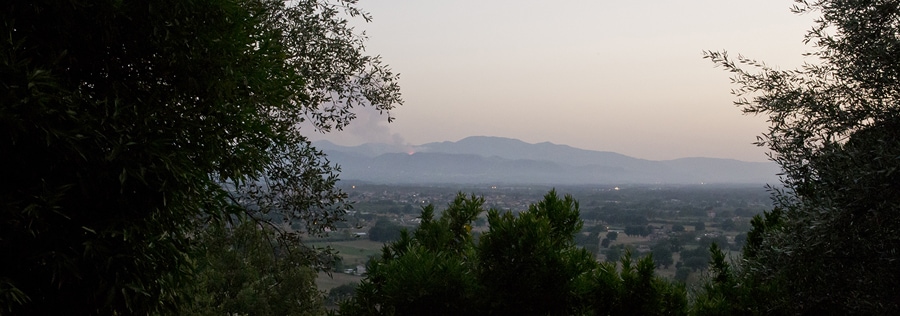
x=482 y=159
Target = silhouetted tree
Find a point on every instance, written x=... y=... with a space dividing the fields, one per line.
x=128 y=125
x=245 y=270
x=830 y=244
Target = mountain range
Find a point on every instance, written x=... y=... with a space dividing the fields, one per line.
x=484 y=159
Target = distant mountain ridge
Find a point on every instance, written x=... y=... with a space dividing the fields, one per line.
x=485 y=159
x=516 y=149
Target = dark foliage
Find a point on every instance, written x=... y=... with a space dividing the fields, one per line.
x=830 y=245
x=125 y=125
x=526 y=264
x=384 y=231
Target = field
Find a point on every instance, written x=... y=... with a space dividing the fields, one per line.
x=326 y=283
x=353 y=252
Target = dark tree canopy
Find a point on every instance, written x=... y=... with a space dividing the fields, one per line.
x=831 y=243
x=525 y=264
x=662 y=255
x=126 y=124
x=245 y=271
x=612 y=235
x=699 y=226
x=384 y=231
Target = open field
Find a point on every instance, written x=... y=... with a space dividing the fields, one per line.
x=326 y=283
x=353 y=252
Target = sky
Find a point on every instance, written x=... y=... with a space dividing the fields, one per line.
x=621 y=76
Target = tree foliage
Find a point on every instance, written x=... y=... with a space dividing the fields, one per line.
x=614 y=253
x=662 y=255
x=245 y=270
x=643 y=230
x=695 y=259
x=126 y=124
x=524 y=264
x=831 y=243
x=384 y=231
x=426 y=272
x=528 y=264
x=635 y=290
x=612 y=235
x=699 y=226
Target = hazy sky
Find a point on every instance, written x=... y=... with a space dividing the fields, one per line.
x=622 y=76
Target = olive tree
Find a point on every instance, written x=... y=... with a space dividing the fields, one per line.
x=126 y=126
x=831 y=243
x=244 y=270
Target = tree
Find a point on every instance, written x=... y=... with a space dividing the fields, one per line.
x=696 y=259
x=426 y=272
x=128 y=126
x=633 y=291
x=830 y=244
x=612 y=235
x=705 y=241
x=682 y=274
x=728 y=225
x=614 y=253
x=643 y=230
x=740 y=240
x=244 y=270
x=341 y=293
x=721 y=294
x=699 y=226
x=524 y=264
x=674 y=244
x=384 y=231
x=662 y=255
x=528 y=264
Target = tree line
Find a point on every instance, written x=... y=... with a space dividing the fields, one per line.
x=526 y=264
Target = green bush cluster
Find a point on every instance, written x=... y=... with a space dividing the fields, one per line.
x=526 y=264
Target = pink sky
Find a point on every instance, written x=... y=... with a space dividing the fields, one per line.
x=623 y=76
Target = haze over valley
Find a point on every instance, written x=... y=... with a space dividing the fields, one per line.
x=484 y=159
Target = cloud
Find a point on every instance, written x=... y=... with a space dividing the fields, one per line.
x=368 y=127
